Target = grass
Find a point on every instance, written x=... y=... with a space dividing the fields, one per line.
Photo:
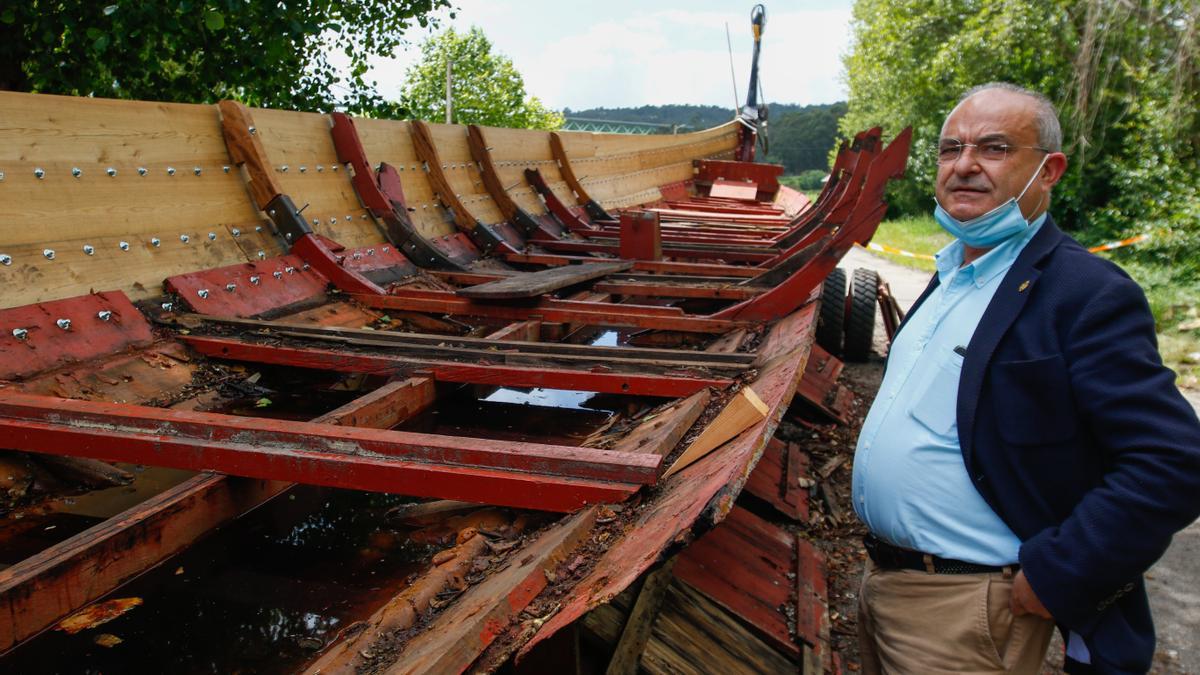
x=918 y=234
x=1174 y=302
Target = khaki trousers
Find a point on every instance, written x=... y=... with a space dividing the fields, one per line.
x=916 y=622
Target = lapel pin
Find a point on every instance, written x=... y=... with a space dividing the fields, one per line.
x=1023 y=286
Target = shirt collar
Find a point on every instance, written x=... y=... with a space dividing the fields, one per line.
x=984 y=268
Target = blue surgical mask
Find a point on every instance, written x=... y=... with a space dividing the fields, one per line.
x=993 y=227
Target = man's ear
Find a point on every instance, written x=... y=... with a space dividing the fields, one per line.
x=1053 y=169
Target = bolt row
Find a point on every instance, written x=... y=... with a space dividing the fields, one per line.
x=63 y=324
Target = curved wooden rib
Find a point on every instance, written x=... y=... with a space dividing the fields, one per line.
x=485 y=237
x=246 y=150
x=388 y=206
x=590 y=205
x=532 y=227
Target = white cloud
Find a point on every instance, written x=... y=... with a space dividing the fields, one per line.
x=628 y=54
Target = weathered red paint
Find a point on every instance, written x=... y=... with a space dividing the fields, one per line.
x=526 y=475
x=612 y=382
x=588 y=313
x=32 y=340
x=641 y=238
x=766 y=176
x=258 y=288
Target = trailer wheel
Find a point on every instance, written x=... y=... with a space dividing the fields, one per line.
x=860 y=314
x=831 y=320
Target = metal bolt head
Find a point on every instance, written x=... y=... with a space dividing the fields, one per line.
x=76 y=171
x=303 y=169
x=370 y=251
x=197 y=170
x=287 y=235
x=284 y=168
x=258 y=228
x=112 y=173
x=64 y=324
x=49 y=253
x=167 y=306
x=386 y=249
x=212 y=236
x=89 y=249
x=5 y=259
x=305 y=267
x=316 y=221
x=289 y=269
x=277 y=274
x=225 y=168
x=262 y=255
x=203 y=292
x=320 y=168
x=184 y=238
x=104 y=315
x=20 y=333
x=333 y=167
x=124 y=246
x=253 y=131
x=1 y=175
x=170 y=171
x=142 y=171
x=255 y=279
x=357 y=255
x=236 y=232
x=231 y=287
x=271 y=213
x=349 y=217
x=155 y=242
x=39 y=173
x=333 y=220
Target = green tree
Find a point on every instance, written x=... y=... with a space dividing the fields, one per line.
x=487 y=89
x=1125 y=77
x=263 y=53
x=802 y=140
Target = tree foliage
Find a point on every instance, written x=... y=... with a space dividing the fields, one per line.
x=262 y=53
x=802 y=140
x=487 y=89
x=1125 y=77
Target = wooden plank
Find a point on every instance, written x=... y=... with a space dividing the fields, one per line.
x=645 y=612
x=661 y=433
x=452 y=641
x=387 y=406
x=743 y=411
x=733 y=189
x=533 y=284
x=500 y=341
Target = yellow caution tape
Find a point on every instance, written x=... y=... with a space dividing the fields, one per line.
x=884 y=248
x=896 y=251
x=1119 y=244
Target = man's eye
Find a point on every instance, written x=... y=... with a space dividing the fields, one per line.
x=994 y=150
x=949 y=150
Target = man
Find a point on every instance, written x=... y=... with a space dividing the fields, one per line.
x=1028 y=456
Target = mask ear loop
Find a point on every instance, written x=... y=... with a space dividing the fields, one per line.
x=1032 y=178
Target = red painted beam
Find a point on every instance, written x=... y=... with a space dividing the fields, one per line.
x=525 y=475
x=565 y=311
x=658 y=267
x=670 y=386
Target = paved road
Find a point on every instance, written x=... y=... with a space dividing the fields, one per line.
x=1173 y=582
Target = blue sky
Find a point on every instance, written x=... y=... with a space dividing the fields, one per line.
x=627 y=53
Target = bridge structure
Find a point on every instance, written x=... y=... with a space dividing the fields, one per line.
x=620 y=126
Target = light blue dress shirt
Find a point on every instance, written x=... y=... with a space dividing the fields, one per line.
x=911 y=486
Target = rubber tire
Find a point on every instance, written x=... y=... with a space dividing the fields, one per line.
x=860 y=314
x=831 y=320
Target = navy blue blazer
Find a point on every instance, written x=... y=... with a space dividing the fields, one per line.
x=1075 y=434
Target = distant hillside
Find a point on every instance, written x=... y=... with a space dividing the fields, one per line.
x=801 y=136
x=694 y=116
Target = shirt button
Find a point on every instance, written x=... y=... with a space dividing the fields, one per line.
x=862 y=500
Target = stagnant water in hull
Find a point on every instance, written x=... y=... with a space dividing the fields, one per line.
x=263 y=595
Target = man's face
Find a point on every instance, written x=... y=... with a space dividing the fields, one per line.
x=972 y=185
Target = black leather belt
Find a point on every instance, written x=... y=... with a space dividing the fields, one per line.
x=892 y=557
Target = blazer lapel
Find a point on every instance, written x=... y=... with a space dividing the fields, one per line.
x=1015 y=288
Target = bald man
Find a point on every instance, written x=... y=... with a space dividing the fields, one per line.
x=1028 y=456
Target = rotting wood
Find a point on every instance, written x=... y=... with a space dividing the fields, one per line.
x=500 y=341
x=663 y=432
x=641 y=620
x=455 y=638
x=387 y=406
x=533 y=284
x=744 y=410
x=598 y=379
